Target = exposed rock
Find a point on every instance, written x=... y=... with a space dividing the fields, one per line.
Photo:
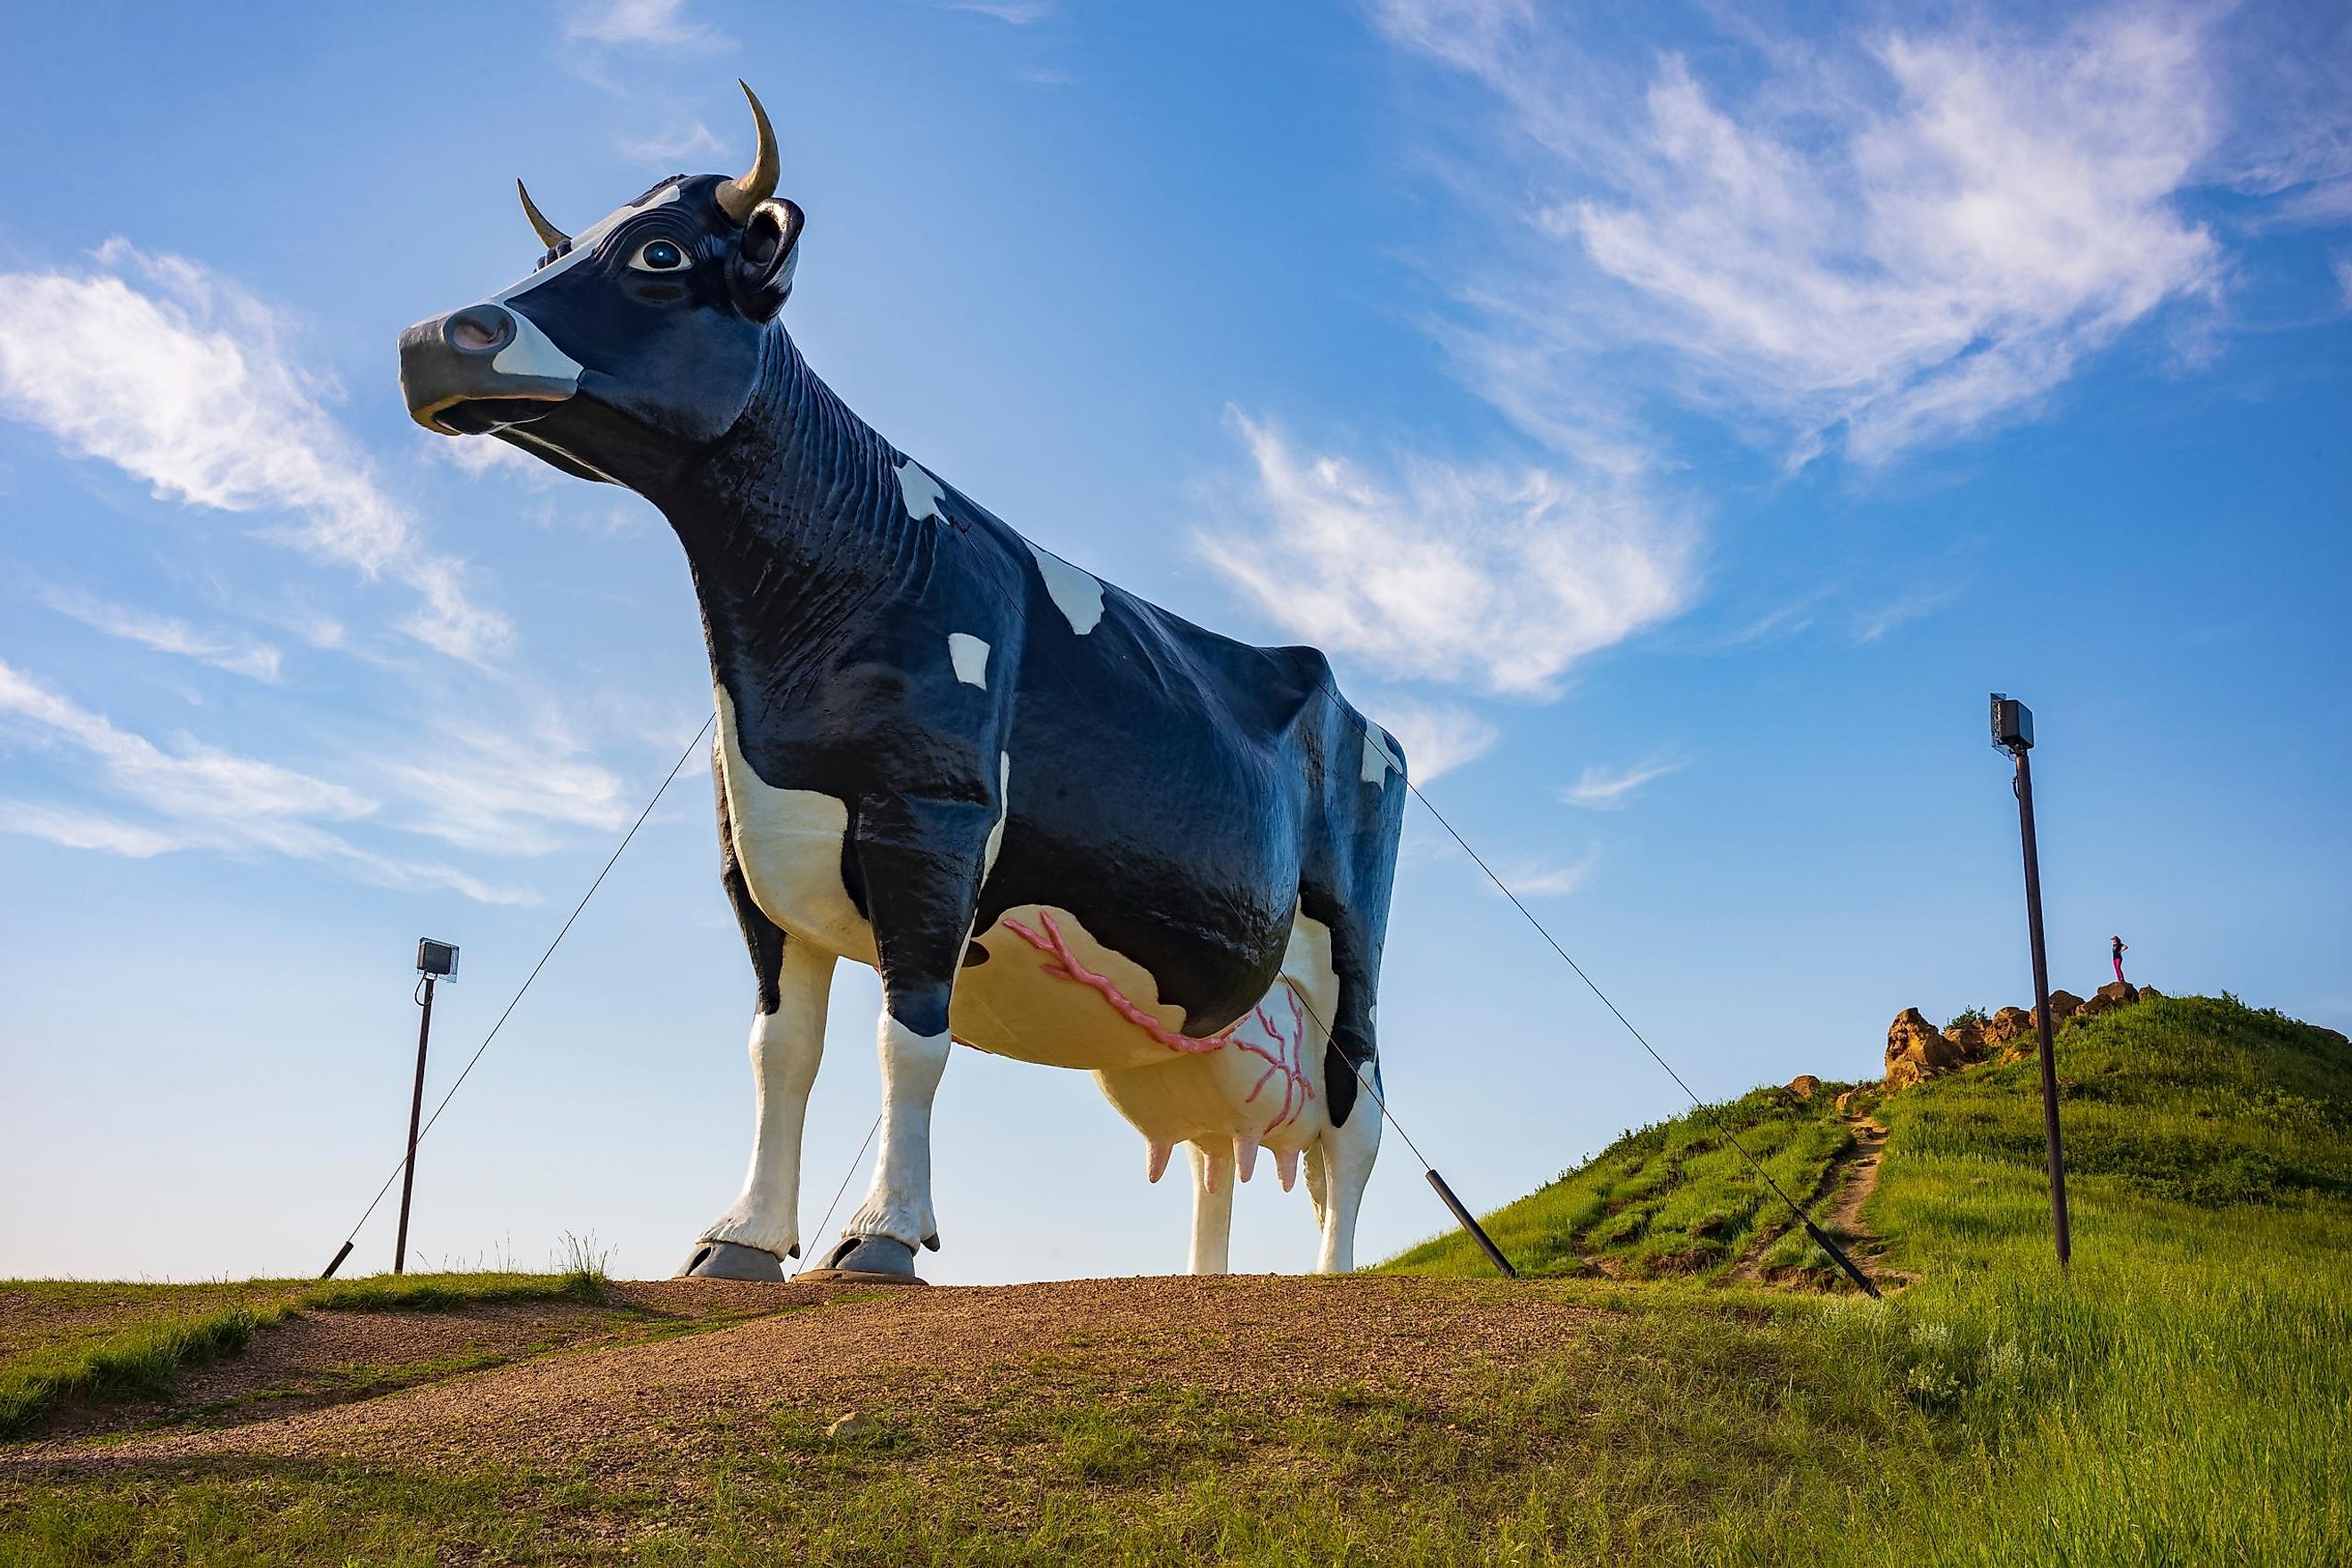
x=2149 y=993
x=1967 y=1037
x=2007 y=1025
x=2094 y=1005
x=1804 y=1085
x=1916 y=1052
x=1845 y=1101
x=2118 y=993
x=2064 y=1004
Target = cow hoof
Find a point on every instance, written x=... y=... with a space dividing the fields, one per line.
x=731 y=1260
x=872 y=1254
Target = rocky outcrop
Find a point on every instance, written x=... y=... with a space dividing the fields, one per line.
x=1915 y=1051
x=2006 y=1026
x=1804 y=1085
x=2064 y=1004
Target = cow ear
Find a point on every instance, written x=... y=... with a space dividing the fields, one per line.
x=762 y=274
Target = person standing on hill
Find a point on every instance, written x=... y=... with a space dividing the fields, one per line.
x=2119 y=950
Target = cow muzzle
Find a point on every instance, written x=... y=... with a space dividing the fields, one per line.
x=481 y=368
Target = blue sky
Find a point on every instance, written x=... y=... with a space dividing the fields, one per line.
x=1672 y=427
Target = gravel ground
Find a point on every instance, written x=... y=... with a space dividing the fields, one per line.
x=940 y=1358
x=318 y=1358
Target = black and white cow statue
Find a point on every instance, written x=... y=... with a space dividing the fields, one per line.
x=1064 y=825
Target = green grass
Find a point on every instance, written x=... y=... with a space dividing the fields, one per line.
x=2184 y=1397
x=143 y=1359
x=142 y=1363
x=1673 y=1199
x=449 y=1292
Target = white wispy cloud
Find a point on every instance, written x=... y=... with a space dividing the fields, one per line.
x=1779 y=623
x=181 y=379
x=238 y=654
x=1881 y=242
x=1603 y=789
x=192 y=795
x=1875 y=621
x=670 y=148
x=1019 y=12
x=1437 y=737
x=1499 y=576
x=1547 y=879
x=479 y=455
x=656 y=23
x=506 y=789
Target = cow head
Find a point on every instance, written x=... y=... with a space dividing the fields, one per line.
x=634 y=345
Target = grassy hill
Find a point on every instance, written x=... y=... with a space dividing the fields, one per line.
x=2185 y=1396
x=1672 y=1200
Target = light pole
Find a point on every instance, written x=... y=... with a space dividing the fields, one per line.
x=2012 y=731
x=434 y=960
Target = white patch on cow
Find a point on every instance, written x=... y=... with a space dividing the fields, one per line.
x=918 y=491
x=1075 y=593
x=786 y=1046
x=898 y=1203
x=789 y=843
x=1004 y=810
x=1380 y=757
x=533 y=353
x=969 y=654
x=584 y=243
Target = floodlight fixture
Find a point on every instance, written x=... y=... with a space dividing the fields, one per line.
x=439 y=959
x=2012 y=724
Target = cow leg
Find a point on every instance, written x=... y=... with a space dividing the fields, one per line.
x=1213 y=1206
x=787 y=1043
x=751 y=1239
x=1347 y=1154
x=922 y=862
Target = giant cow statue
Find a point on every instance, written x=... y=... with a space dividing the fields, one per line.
x=1064 y=825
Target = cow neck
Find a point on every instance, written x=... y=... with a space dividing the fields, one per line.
x=794 y=527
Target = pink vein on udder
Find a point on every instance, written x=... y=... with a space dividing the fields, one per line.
x=1288 y=1060
x=1069 y=968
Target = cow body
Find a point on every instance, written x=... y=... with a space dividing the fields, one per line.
x=1064 y=825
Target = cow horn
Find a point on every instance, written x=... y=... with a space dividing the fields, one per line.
x=738 y=198
x=548 y=235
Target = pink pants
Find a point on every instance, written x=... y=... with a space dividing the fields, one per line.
x=2119 y=966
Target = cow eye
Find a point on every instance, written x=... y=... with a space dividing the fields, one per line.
x=658 y=256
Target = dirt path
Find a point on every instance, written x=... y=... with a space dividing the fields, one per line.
x=1856 y=1177
x=316 y=1358
x=945 y=1358
x=1845 y=1217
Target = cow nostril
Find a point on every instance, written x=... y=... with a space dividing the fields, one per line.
x=479 y=330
